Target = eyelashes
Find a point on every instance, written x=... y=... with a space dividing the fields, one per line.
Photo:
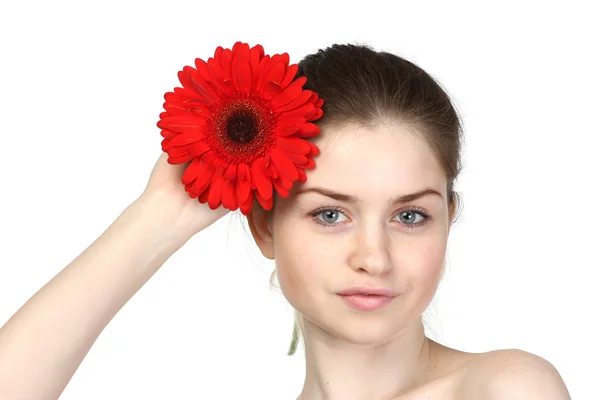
x=336 y=209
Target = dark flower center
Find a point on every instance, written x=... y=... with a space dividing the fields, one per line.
x=241 y=128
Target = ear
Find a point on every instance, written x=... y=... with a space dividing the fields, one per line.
x=259 y=222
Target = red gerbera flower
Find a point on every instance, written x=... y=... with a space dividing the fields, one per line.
x=241 y=121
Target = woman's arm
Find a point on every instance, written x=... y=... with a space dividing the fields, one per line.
x=44 y=343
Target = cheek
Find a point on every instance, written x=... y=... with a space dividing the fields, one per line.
x=425 y=266
x=298 y=262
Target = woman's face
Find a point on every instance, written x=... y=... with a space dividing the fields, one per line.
x=323 y=245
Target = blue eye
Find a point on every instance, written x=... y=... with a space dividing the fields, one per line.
x=330 y=214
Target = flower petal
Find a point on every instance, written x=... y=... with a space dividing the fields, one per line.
x=259 y=176
x=204 y=73
x=290 y=74
x=197 y=149
x=298 y=159
x=243 y=184
x=256 y=55
x=300 y=100
x=242 y=75
x=265 y=202
x=246 y=205
x=271 y=90
x=230 y=172
x=318 y=114
x=289 y=93
x=193 y=171
x=314 y=150
x=228 y=195
x=186 y=138
x=178 y=123
x=288 y=126
x=179 y=160
x=215 y=190
x=284 y=183
x=301 y=175
x=208 y=157
x=203 y=197
x=293 y=144
x=281 y=191
x=307 y=130
x=284 y=165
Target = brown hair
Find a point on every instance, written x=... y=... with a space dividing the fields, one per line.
x=369 y=88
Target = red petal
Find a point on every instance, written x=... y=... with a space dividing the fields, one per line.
x=283 y=192
x=289 y=93
x=242 y=75
x=208 y=157
x=243 y=186
x=296 y=158
x=293 y=144
x=290 y=74
x=299 y=100
x=204 y=73
x=310 y=164
x=192 y=172
x=318 y=114
x=301 y=175
x=199 y=85
x=215 y=190
x=186 y=138
x=306 y=111
x=288 y=126
x=275 y=74
x=308 y=130
x=271 y=90
x=199 y=178
x=220 y=166
x=264 y=69
x=284 y=183
x=259 y=176
x=178 y=151
x=231 y=172
x=256 y=54
x=224 y=60
x=179 y=160
x=314 y=150
x=178 y=123
x=177 y=109
x=166 y=144
x=228 y=195
x=246 y=205
x=197 y=149
x=265 y=202
x=284 y=165
x=216 y=74
x=167 y=134
x=203 y=197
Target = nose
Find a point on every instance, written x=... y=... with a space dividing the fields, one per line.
x=370 y=252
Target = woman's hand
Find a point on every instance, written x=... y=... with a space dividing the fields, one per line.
x=166 y=192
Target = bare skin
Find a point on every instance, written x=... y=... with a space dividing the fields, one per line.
x=45 y=341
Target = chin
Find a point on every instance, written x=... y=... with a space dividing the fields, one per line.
x=361 y=328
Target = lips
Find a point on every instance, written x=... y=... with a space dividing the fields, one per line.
x=365 y=298
x=366 y=302
x=368 y=291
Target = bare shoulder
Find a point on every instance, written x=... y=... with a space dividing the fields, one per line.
x=512 y=374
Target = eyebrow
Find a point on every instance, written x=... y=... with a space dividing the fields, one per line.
x=407 y=198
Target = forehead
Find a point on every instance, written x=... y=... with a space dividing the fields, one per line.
x=362 y=161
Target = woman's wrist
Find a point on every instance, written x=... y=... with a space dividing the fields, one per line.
x=159 y=221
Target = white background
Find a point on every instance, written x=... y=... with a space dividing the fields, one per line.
x=81 y=86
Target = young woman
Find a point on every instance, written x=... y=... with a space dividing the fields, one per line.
x=359 y=246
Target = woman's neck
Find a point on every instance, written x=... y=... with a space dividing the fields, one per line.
x=337 y=369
